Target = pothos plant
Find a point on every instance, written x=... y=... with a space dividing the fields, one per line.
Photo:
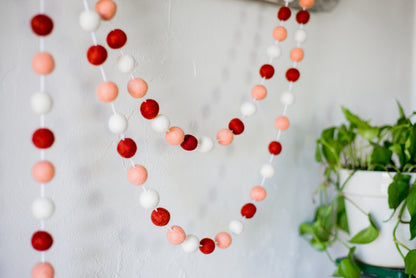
x=358 y=145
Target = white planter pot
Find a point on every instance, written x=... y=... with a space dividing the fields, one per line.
x=368 y=189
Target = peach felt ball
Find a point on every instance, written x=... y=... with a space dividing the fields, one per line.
x=306 y=3
x=43 y=63
x=107 y=91
x=281 y=123
x=176 y=235
x=258 y=193
x=43 y=171
x=106 y=9
x=223 y=240
x=43 y=270
x=137 y=175
x=225 y=137
x=296 y=55
x=259 y=92
x=137 y=87
x=279 y=33
x=175 y=136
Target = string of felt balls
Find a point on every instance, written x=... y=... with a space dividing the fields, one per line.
x=43 y=171
x=150 y=198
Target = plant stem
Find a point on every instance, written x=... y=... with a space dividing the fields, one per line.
x=396 y=241
x=347 y=180
x=329 y=257
x=355 y=205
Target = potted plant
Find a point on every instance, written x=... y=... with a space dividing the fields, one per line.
x=367 y=200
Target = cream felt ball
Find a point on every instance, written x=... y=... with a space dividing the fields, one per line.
x=43 y=208
x=89 y=21
x=126 y=63
x=190 y=244
x=41 y=103
x=149 y=199
x=236 y=227
x=118 y=124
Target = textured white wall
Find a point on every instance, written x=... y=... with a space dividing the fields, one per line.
x=357 y=56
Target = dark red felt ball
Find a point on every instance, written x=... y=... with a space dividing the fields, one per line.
x=284 y=13
x=127 y=148
x=236 y=126
x=302 y=17
x=189 y=143
x=292 y=74
x=248 y=210
x=160 y=217
x=207 y=246
x=149 y=109
x=42 y=25
x=267 y=71
x=97 y=54
x=275 y=147
x=43 y=138
x=42 y=241
x=116 y=39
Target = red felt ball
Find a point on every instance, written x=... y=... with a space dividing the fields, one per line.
x=43 y=138
x=248 y=210
x=267 y=71
x=275 y=147
x=127 y=148
x=149 y=109
x=292 y=74
x=42 y=241
x=189 y=143
x=284 y=13
x=302 y=17
x=41 y=24
x=97 y=54
x=207 y=246
x=236 y=126
x=160 y=217
x=116 y=39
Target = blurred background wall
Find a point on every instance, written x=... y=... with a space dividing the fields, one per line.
x=200 y=58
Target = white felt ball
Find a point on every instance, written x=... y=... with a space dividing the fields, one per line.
x=236 y=227
x=248 y=108
x=205 y=144
x=41 y=103
x=190 y=244
x=267 y=170
x=287 y=98
x=300 y=36
x=126 y=63
x=160 y=124
x=149 y=199
x=118 y=123
x=274 y=51
x=43 y=208
x=89 y=21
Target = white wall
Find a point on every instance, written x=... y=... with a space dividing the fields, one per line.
x=359 y=56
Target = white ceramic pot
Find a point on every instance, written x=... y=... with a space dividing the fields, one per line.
x=368 y=189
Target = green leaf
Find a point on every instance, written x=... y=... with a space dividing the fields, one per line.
x=398 y=190
x=410 y=262
x=324 y=223
x=305 y=229
x=397 y=149
x=317 y=244
x=401 y=111
x=347 y=268
x=318 y=154
x=366 y=235
x=354 y=119
x=380 y=155
x=369 y=132
x=411 y=201
x=412 y=227
x=342 y=221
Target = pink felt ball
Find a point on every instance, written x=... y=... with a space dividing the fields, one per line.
x=137 y=87
x=281 y=123
x=43 y=63
x=43 y=171
x=259 y=92
x=175 y=136
x=137 y=175
x=107 y=91
x=176 y=235
x=296 y=54
x=225 y=137
x=43 y=270
x=248 y=210
x=223 y=240
x=306 y=3
x=279 y=33
x=106 y=9
x=258 y=193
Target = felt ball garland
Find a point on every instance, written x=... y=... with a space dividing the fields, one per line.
x=43 y=171
x=137 y=88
